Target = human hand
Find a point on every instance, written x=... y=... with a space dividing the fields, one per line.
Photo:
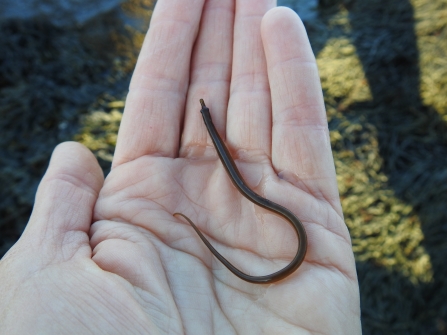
x=138 y=269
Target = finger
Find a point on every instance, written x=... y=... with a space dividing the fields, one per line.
x=249 y=112
x=156 y=99
x=63 y=208
x=210 y=74
x=301 y=149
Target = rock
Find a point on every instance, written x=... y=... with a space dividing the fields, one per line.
x=61 y=13
x=306 y=9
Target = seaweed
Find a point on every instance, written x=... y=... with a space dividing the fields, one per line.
x=49 y=77
x=382 y=65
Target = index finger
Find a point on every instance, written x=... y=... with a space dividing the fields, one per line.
x=156 y=99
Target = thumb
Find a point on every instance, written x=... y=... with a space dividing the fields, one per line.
x=64 y=203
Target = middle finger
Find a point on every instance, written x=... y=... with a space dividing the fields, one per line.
x=210 y=75
x=249 y=111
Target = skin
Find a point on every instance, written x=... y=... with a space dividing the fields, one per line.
x=238 y=182
x=108 y=257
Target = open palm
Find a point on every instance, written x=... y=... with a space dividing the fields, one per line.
x=142 y=270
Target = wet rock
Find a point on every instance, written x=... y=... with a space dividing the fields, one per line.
x=61 y=13
x=306 y=9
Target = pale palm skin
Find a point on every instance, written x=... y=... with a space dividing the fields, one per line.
x=139 y=270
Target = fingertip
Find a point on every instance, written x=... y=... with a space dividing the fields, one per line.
x=280 y=18
x=284 y=36
x=73 y=158
x=66 y=195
